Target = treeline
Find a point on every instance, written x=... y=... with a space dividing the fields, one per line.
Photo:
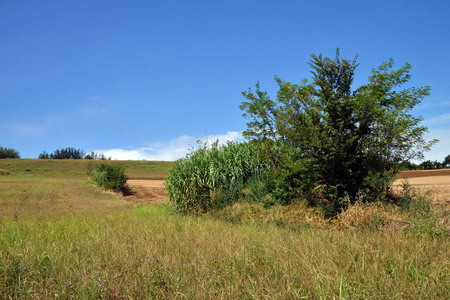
x=64 y=153
x=72 y=153
x=429 y=165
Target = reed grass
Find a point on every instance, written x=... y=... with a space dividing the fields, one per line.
x=213 y=178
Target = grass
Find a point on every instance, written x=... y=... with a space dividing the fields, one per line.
x=77 y=168
x=58 y=243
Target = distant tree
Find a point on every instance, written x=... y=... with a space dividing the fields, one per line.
x=446 y=162
x=65 y=153
x=410 y=166
x=44 y=155
x=322 y=134
x=96 y=156
x=437 y=165
x=8 y=153
x=427 y=165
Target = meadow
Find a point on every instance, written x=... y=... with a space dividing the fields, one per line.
x=61 y=237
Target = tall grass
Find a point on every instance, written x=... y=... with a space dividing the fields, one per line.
x=147 y=253
x=213 y=178
x=62 y=238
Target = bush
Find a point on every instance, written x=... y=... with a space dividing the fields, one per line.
x=207 y=179
x=8 y=153
x=110 y=177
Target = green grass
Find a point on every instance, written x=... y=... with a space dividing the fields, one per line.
x=77 y=168
x=63 y=238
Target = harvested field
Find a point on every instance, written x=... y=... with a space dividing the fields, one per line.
x=423 y=173
x=434 y=183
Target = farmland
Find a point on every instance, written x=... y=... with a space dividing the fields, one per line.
x=61 y=237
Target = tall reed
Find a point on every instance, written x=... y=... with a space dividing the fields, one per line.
x=210 y=178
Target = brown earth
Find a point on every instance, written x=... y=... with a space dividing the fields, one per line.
x=149 y=191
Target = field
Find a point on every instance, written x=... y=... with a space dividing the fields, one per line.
x=63 y=238
x=435 y=184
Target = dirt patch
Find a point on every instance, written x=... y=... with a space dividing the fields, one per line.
x=146 y=191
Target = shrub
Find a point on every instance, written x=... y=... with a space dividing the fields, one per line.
x=4 y=172
x=110 y=177
x=213 y=178
x=8 y=153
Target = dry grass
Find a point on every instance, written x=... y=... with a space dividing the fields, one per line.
x=45 y=188
x=147 y=253
x=435 y=184
x=71 y=241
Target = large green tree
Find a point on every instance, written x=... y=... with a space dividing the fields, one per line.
x=326 y=136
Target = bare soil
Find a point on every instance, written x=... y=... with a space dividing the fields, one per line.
x=149 y=191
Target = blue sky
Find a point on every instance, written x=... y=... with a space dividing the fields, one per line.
x=146 y=79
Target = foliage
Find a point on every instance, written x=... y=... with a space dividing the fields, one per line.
x=96 y=156
x=346 y=144
x=8 y=153
x=209 y=178
x=65 y=153
x=410 y=166
x=429 y=165
x=446 y=162
x=110 y=177
x=44 y=155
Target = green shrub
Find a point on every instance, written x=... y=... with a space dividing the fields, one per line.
x=110 y=177
x=4 y=172
x=213 y=178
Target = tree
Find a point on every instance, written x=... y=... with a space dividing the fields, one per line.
x=324 y=136
x=96 y=156
x=44 y=155
x=427 y=165
x=446 y=162
x=8 y=153
x=66 y=153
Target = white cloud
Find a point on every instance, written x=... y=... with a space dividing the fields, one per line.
x=170 y=151
x=439 y=120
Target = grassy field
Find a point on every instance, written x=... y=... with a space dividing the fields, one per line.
x=63 y=238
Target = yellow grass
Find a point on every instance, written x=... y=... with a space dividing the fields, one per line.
x=63 y=238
